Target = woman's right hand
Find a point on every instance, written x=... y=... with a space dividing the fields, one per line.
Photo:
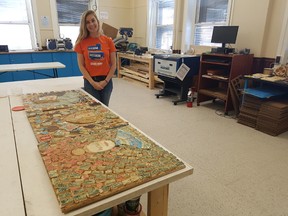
x=97 y=85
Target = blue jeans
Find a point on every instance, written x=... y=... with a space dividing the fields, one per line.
x=101 y=95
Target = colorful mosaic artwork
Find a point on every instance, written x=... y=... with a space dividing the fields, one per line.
x=89 y=152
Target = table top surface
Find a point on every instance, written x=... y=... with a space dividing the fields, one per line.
x=134 y=56
x=30 y=66
x=37 y=190
x=274 y=80
x=11 y=204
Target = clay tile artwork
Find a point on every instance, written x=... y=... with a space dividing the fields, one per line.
x=91 y=153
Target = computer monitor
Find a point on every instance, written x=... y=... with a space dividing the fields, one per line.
x=224 y=35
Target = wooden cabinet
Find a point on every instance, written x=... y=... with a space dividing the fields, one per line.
x=216 y=73
x=139 y=68
x=5 y=77
x=18 y=59
x=42 y=57
x=66 y=59
x=69 y=59
x=75 y=68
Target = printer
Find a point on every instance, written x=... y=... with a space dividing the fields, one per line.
x=168 y=64
x=166 y=67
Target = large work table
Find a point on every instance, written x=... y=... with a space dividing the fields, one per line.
x=25 y=186
x=32 y=67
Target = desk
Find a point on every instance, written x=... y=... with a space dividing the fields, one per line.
x=267 y=88
x=5 y=68
x=264 y=105
x=38 y=194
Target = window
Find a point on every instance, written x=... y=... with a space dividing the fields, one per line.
x=69 y=15
x=209 y=13
x=161 y=16
x=283 y=42
x=16 y=24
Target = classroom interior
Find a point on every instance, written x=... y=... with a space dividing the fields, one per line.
x=238 y=169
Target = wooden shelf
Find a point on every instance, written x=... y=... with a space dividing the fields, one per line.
x=224 y=68
x=215 y=77
x=133 y=75
x=215 y=93
x=216 y=63
x=140 y=68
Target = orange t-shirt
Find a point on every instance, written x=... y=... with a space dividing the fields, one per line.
x=96 y=52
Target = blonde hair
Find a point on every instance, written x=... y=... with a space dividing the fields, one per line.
x=83 y=32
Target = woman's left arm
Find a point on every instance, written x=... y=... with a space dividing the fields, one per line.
x=112 y=68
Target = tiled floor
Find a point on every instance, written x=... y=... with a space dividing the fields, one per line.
x=238 y=170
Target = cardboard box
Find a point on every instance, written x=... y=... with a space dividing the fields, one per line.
x=109 y=31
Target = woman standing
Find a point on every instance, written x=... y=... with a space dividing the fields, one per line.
x=96 y=54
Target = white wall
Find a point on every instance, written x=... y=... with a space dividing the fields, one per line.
x=119 y=12
x=251 y=16
x=43 y=9
x=139 y=21
x=260 y=24
x=260 y=21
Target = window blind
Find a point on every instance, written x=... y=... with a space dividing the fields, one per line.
x=210 y=13
x=164 y=24
x=165 y=12
x=164 y=37
x=70 y=11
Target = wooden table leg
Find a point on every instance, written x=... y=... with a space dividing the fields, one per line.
x=158 y=201
x=151 y=75
x=118 y=66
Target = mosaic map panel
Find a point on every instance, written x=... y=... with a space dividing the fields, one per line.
x=89 y=152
